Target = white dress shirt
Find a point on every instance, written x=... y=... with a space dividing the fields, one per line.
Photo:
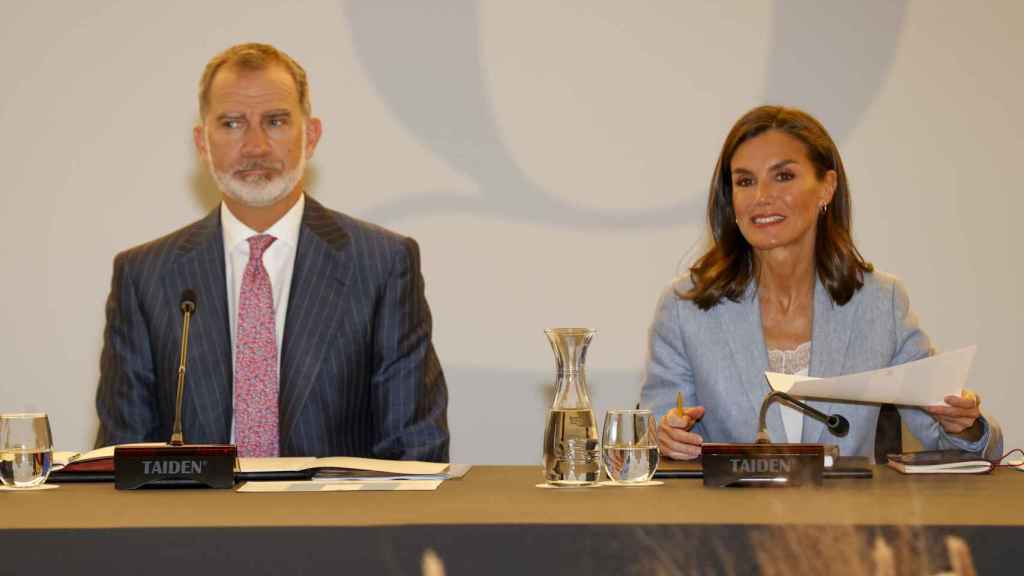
x=278 y=259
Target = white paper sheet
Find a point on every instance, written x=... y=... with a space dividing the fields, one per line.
x=454 y=472
x=286 y=464
x=398 y=467
x=372 y=464
x=921 y=383
x=310 y=486
x=62 y=458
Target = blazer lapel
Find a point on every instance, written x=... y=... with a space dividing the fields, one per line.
x=741 y=322
x=199 y=265
x=322 y=267
x=830 y=338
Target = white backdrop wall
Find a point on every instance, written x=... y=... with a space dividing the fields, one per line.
x=552 y=159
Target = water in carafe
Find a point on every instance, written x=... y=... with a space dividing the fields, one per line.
x=572 y=455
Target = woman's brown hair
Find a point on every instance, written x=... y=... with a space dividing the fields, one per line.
x=727 y=268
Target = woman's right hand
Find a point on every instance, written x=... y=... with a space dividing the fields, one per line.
x=674 y=437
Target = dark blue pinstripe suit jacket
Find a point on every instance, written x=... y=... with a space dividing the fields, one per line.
x=359 y=375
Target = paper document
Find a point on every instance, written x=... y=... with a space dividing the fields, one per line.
x=395 y=467
x=285 y=464
x=62 y=458
x=923 y=382
x=310 y=486
x=454 y=471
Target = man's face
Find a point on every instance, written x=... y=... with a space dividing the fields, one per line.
x=255 y=136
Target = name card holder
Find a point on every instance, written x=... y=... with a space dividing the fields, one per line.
x=195 y=465
x=763 y=465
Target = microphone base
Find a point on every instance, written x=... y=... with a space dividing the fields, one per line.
x=762 y=464
x=191 y=465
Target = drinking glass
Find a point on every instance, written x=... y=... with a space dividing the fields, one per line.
x=26 y=449
x=629 y=447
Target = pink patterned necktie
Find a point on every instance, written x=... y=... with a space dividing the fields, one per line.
x=256 y=407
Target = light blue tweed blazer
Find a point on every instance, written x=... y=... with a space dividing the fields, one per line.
x=717 y=358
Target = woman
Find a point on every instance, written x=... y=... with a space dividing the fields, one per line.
x=783 y=288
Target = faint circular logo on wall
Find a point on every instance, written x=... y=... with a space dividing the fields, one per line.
x=425 y=64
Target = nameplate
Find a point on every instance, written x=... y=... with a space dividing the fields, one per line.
x=197 y=465
x=762 y=465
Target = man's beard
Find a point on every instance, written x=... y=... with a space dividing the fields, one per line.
x=258 y=192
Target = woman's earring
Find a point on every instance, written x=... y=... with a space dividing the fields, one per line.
x=824 y=208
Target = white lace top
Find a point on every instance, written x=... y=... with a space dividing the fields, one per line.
x=790 y=361
x=796 y=361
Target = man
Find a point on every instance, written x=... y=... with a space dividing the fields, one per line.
x=312 y=335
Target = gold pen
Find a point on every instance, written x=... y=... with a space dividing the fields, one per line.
x=679 y=403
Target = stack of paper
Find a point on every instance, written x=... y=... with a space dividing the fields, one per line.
x=347 y=486
x=342 y=473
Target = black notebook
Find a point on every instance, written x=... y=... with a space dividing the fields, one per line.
x=940 y=462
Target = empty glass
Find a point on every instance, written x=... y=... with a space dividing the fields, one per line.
x=26 y=449
x=629 y=447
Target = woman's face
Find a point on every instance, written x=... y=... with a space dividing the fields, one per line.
x=776 y=194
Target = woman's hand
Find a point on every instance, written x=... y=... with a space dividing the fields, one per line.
x=960 y=415
x=674 y=437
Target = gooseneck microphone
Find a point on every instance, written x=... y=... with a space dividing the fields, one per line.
x=176 y=463
x=836 y=424
x=188 y=307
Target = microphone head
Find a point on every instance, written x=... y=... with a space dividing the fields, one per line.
x=838 y=425
x=188 y=300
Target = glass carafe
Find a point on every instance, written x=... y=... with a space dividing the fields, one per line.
x=572 y=455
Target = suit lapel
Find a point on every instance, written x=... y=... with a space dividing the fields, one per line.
x=741 y=322
x=322 y=267
x=199 y=265
x=830 y=338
